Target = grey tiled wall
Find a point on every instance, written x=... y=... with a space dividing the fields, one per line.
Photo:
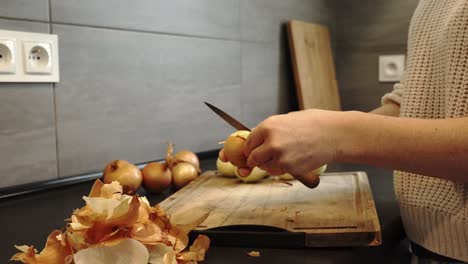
x=365 y=30
x=134 y=75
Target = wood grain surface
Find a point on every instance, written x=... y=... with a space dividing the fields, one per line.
x=339 y=212
x=313 y=65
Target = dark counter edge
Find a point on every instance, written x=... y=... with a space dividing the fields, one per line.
x=39 y=186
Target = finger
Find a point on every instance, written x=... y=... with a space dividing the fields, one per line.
x=272 y=168
x=222 y=156
x=254 y=140
x=244 y=172
x=259 y=156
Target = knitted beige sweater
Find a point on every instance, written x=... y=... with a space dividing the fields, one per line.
x=435 y=211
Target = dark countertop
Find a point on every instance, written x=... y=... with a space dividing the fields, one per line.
x=29 y=218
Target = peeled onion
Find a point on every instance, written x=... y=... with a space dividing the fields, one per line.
x=183 y=173
x=156 y=177
x=127 y=174
x=187 y=156
x=256 y=175
x=318 y=171
x=234 y=148
x=226 y=168
x=287 y=177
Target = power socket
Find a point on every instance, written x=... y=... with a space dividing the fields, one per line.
x=29 y=57
x=391 y=67
x=37 y=57
x=7 y=56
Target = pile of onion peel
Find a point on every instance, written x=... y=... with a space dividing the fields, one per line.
x=116 y=228
x=184 y=166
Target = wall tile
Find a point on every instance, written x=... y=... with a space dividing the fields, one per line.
x=27 y=9
x=264 y=20
x=27 y=134
x=267 y=83
x=18 y=25
x=213 y=18
x=357 y=73
x=124 y=94
x=372 y=23
x=27 y=126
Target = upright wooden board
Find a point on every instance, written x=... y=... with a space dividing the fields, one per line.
x=314 y=69
x=340 y=212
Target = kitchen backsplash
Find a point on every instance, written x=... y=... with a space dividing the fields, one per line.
x=365 y=30
x=134 y=74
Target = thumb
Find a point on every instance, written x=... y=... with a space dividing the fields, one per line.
x=244 y=171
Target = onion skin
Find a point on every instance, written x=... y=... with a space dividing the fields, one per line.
x=234 y=148
x=156 y=177
x=183 y=173
x=226 y=168
x=127 y=174
x=187 y=156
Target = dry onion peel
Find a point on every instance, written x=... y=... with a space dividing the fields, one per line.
x=127 y=251
x=112 y=227
x=197 y=250
x=54 y=252
x=161 y=253
x=255 y=254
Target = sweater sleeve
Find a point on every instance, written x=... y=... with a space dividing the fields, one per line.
x=395 y=96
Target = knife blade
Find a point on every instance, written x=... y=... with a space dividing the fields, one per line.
x=228 y=118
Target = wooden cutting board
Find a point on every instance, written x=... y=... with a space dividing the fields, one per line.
x=314 y=69
x=339 y=212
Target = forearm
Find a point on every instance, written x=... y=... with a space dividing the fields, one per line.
x=437 y=148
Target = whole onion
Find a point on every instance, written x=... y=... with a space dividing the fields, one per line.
x=186 y=156
x=156 y=177
x=183 y=173
x=127 y=174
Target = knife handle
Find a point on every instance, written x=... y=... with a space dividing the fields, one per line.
x=310 y=180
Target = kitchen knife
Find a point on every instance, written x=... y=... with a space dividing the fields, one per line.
x=228 y=118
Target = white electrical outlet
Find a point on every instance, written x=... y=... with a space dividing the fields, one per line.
x=7 y=56
x=37 y=57
x=391 y=68
x=32 y=57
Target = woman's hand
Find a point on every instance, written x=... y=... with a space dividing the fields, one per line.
x=295 y=143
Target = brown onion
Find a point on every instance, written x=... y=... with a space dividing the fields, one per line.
x=127 y=174
x=183 y=173
x=156 y=177
x=187 y=156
